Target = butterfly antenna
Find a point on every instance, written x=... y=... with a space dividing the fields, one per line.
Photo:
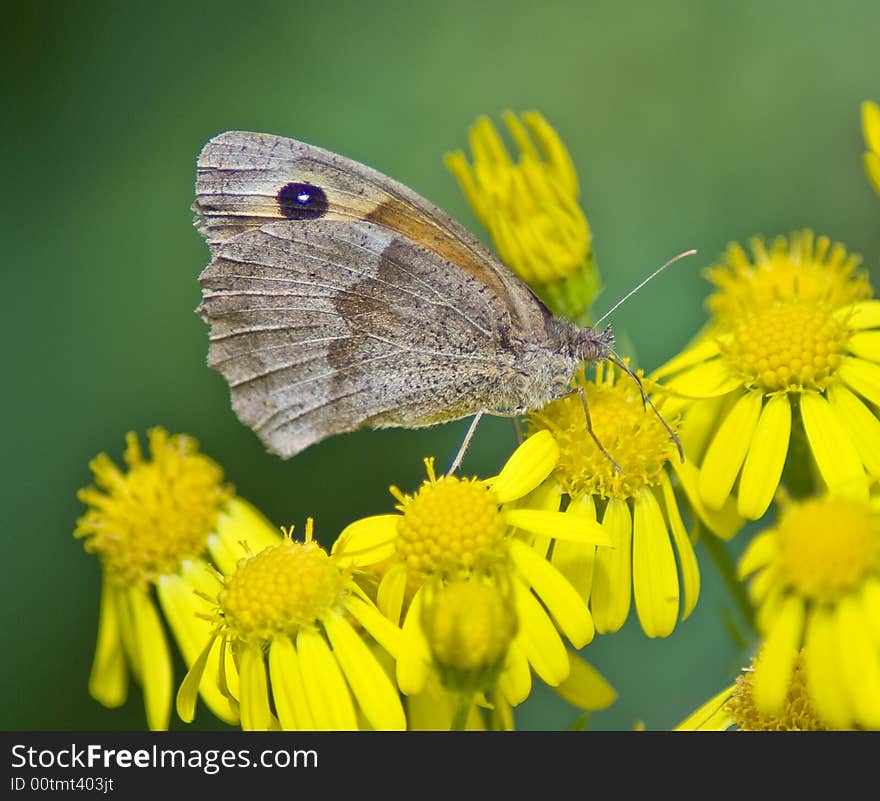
x=651 y=277
x=646 y=401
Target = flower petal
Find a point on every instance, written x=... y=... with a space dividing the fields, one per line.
x=871 y=125
x=836 y=456
x=527 y=467
x=368 y=540
x=861 y=315
x=704 y=349
x=761 y=550
x=862 y=376
x=860 y=661
x=538 y=637
x=327 y=693
x=240 y=522
x=516 y=681
x=699 y=424
x=765 y=459
x=108 y=681
x=561 y=599
x=655 y=580
x=723 y=522
x=825 y=685
x=612 y=577
x=703 y=718
x=376 y=696
x=861 y=424
x=687 y=559
x=414 y=656
x=558 y=525
x=707 y=380
x=777 y=657
x=288 y=688
x=865 y=344
x=870 y=597
x=392 y=592
x=728 y=449
x=189 y=687
x=255 y=712
x=574 y=559
x=382 y=630
x=585 y=687
x=154 y=658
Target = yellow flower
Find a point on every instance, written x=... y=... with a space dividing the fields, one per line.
x=152 y=528
x=634 y=502
x=793 y=350
x=816 y=586
x=531 y=210
x=455 y=529
x=292 y=619
x=871 y=126
x=734 y=708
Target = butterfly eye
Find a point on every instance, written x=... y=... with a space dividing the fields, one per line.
x=298 y=201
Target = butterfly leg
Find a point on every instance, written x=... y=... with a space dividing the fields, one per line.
x=456 y=462
x=589 y=421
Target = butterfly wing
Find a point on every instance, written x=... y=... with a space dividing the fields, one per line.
x=362 y=305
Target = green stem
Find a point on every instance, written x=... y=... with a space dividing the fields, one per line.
x=462 y=710
x=797 y=475
x=726 y=569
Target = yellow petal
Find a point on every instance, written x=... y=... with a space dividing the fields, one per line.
x=558 y=525
x=761 y=550
x=825 y=684
x=655 y=580
x=561 y=599
x=154 y=658
x=836 y=456
x=516 y=681
x=871 y=125
x=862 y=376
x=704 y=349
x=414 y=656
x=574 y=559
x=538 y=637
x=380 y=628
x=778 y=654
x=872 y=168
x=701 y=719
x=707 y=380
x=240 y=523
x=108 y=681
x=326 y=690
x=728 y=449
x=723 y=522
x=765 y=459
x=376 y=696
x=870 y=598
x=585 y=687
x=368 y=540
x=699 y=424
x=860 y=661
x=288 y=688
x=612 y=576
x=255 y=712
x=865 y=344
x=860 y=423
x=527 y=468
x=392 y=592
x=861 y=315
x=687 y=559
x=189 y=687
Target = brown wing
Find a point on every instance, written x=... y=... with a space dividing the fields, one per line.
x=240 y=175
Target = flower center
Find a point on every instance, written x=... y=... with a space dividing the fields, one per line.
x=789 y=345
x=279 y=590
x=450 y=522
x=797 y=713
x=828 y=546
x=633 y=436
x=145 y=522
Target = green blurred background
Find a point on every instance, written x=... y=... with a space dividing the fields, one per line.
x=692 y=124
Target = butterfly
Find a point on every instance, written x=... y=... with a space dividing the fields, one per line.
x=338 y=298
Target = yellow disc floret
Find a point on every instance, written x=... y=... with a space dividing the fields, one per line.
x=450 y=523
x=279 y=590
x=630 y=432
x=144 y=522
x=827 y=546
x=797 y=713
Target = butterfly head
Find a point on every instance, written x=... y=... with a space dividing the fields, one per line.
x=593 y=345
